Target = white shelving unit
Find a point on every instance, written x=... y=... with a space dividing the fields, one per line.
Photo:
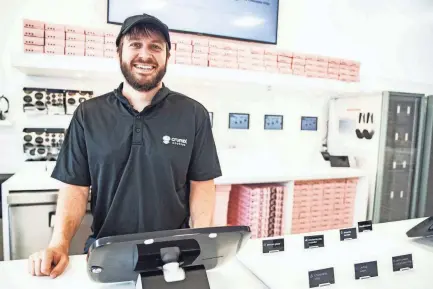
x=79 y=67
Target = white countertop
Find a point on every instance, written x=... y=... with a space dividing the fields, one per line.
x=281 y=270
x=290 y=269
x=13 y=275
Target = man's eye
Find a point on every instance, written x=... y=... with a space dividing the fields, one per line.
x=136 y=45
x=156 y=47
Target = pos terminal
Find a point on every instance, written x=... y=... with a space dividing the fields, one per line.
x=165 y=259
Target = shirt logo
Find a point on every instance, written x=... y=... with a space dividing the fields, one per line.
x=166 y=139
x=174 y=141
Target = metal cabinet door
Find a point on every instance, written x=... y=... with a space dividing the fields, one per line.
x=31 y=224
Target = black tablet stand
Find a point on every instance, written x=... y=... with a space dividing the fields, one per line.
x=162 y=264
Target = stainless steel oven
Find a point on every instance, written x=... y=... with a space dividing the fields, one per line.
x=31 y=223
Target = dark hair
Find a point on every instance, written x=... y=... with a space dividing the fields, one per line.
x=141 y=30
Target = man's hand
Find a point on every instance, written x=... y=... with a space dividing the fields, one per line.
x=49 y=262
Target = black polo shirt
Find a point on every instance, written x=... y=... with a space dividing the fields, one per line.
x=138 y=164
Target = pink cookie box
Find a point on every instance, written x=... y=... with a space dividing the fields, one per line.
x=95 y=53
x=287 y=66
x=270 y=58
x=205 y=58
x=183 y=60
x=74 y=51
x=183 y=54
x=311 y=69
x=111 y=34
x=34 y=32
x=55 y=35
x=220 y=44
x=333 y=60
x=94 y=32
x=271 y=64
x=33 y=49
x=75 y=37
x=58 y=50
x=74 y=29
x=109 y=54
x=317 y=64
x=350 y=63
x=180 y=47
x=298 y=62
x=200 y=50
x=55 y=42
x=33 y=24
x=110 y=40
x=301 y=56
x=202 y=41
x=321 y=58
x=75 y=44
x=284 y=59
x=55 y=27
x=94 y=39
x=33 y=41
x=94 y=46
x=110 y=47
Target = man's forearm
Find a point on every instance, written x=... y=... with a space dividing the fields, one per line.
x=71 y=208
x=202 y=203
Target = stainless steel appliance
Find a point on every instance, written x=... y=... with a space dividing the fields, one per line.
x=31 y=223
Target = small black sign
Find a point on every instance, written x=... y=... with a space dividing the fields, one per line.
x=321 y=277
x=365 y=226
x=273 y=245
x=402 y=263
x=348 y=234
x=314 y=241
x=366 y=270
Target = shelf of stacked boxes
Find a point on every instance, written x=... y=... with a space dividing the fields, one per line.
x=275 y=209
x=187 y=49
x=61 y=39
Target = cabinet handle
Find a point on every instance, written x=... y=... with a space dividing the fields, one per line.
x=52 y=216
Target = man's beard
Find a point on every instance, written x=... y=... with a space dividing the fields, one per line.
x=142 y=85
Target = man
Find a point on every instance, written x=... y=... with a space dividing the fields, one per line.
x=147 y=153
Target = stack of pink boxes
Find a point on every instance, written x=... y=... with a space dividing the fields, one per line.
x=261 y=207
x=54 y=39
x=221 y=205
x=34 y=36
x=49 y=38
x=186 y=49
x=323 y=205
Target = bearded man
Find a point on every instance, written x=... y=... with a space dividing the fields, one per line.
x=144 y=152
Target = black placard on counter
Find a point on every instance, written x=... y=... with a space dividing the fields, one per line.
x=321 y=277
x=366 y=270
x=348 y=234
x=273 y=245
x=365 y=226
x=402 y=263
x=314 y=241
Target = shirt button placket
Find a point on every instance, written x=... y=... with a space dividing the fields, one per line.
x=137 y=131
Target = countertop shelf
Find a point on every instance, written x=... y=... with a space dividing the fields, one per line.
x=82 y=67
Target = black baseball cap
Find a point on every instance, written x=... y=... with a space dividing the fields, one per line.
x=130 y=22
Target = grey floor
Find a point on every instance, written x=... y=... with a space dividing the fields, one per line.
x=1 y=240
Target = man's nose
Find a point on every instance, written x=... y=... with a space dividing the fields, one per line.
x=144 y=53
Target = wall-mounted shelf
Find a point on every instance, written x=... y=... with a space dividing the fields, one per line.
x=45 y=121
x=79 y=67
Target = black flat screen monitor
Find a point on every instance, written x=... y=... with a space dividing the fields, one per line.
x=255 y=21
x=128 y=257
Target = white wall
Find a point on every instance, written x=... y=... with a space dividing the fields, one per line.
x=397 y=49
